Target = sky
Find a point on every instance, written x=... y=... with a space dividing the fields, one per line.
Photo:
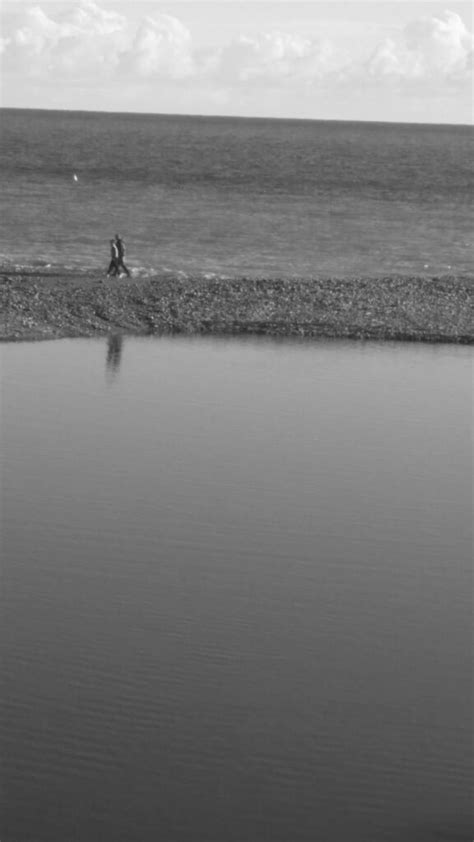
x=335 y=59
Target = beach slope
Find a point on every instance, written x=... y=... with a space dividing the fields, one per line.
x=48 y=306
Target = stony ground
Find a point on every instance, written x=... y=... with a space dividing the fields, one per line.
x=439 y=309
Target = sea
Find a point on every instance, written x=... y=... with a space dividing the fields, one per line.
x=234 y=197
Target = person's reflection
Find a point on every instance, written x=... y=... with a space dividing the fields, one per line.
x=114 y=354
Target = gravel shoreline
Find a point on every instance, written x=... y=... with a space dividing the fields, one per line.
x=47 y=306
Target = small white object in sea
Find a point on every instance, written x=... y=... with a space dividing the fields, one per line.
x=75 y=177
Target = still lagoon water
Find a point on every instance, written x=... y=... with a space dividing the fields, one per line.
x=236 y=591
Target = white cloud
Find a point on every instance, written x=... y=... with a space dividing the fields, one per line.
x=89 y=40
x=162 y=46
x=276 y=55
x=428 y=49
x=80 y=41
x=38 y=33
x=89 y=17
x=4 y=42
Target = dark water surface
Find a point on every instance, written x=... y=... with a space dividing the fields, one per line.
x=237 y=587
x=235 y=196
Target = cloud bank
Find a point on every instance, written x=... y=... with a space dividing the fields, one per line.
x=161 y=47
x=432 y=48
x=277 y=55
x=92 y=46
x=82 y=42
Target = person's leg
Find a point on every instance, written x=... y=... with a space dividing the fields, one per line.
x=122 y=266
x=112 y=266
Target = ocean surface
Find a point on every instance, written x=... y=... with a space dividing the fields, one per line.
x=235 y=196
x=236 y=591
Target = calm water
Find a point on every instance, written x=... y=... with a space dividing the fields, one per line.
x=237 y=587
x=235 y=196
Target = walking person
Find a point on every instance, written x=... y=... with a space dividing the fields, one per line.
x=121 y=253
x=114 y=259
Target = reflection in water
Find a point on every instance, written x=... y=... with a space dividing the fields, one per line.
x=114 y=354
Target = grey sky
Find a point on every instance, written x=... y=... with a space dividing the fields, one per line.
x=395 y=60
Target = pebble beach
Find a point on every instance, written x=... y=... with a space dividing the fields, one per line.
x=51 y=306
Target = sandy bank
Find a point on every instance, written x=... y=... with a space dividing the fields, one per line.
x=42 y=306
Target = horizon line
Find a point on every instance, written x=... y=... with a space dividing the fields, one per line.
x=233 y=116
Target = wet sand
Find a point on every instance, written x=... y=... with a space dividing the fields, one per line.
x=48 y=306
